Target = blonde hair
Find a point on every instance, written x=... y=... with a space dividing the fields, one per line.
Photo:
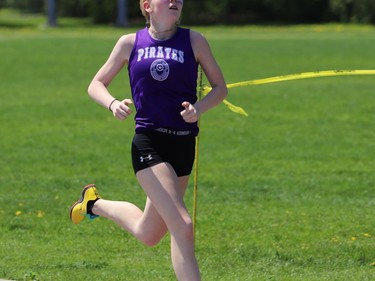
x=144 y=13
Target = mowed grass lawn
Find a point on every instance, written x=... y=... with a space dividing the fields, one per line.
x=284 y=194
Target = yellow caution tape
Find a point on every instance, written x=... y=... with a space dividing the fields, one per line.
x=275 y=79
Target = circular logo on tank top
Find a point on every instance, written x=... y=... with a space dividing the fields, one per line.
x=159 y=70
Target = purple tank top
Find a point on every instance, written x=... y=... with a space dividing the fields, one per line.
x=162 y=75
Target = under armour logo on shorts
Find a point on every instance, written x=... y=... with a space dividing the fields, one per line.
x=143 y=159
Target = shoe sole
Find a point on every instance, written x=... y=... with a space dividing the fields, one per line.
x=80 y=199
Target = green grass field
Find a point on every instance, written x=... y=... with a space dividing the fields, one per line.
x=284 y=194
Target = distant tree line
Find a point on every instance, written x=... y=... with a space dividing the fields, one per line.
x=216 y=11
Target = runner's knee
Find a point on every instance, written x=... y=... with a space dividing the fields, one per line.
x=185 y=231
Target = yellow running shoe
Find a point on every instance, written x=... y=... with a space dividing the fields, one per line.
x=79 y=209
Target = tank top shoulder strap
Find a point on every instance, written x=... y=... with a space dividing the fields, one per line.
x=138 y=35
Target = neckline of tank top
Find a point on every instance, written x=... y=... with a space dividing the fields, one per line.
x=159 y=40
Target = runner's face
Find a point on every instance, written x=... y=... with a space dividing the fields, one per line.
x=167 y=7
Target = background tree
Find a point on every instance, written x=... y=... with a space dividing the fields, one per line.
x=52 y=12
x=122 y=14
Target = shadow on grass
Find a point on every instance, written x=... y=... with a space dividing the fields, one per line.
x=12 y=25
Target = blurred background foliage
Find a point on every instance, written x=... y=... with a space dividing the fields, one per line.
x=215 y=11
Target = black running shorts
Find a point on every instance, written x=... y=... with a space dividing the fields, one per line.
x=151 y=148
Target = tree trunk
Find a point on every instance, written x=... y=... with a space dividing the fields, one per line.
x=52 y=12
x=122 y=13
